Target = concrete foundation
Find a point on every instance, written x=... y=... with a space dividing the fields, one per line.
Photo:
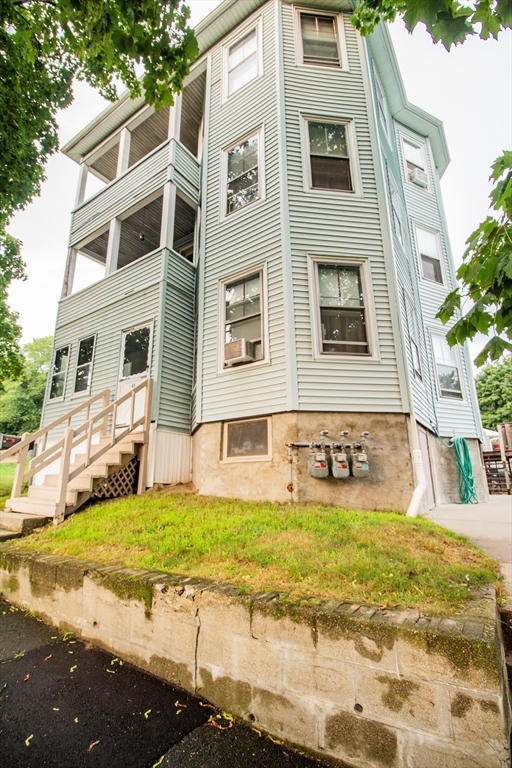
x=445 y=472
x=368 y=688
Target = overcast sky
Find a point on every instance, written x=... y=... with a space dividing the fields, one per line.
x=469 y=89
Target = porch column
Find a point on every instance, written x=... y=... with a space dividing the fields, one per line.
x=69 y=274
x=175 y=119
x=123 y=158
x=113 y=246
x=168 y=213
x=82 y=183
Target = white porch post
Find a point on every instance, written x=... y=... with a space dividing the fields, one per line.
x=82 y=183
x=114 y=236
x=168 y=213
x=175 y=119
x=123 y=159
x=69 y=273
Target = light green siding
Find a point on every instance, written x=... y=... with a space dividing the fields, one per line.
x=341 y=225
x=251 y=236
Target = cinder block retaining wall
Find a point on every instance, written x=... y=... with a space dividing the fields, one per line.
x=367 y=687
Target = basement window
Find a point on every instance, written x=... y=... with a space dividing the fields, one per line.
x=247 y=440
x=59 y=371
x=84 y=364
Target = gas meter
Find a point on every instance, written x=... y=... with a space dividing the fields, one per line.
x=340 y=463
x=317 y=460
x=359 y=458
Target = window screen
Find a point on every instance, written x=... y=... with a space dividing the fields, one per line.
x=243 y=181
x=84 y=365
x=242 y=61
x=342 y=310
x=428 y=246
x=328 y=150
x=136 y=351
x=447 y=368
x=243 y=312
x=246 y=438
x=60 y=367
x=319 y=40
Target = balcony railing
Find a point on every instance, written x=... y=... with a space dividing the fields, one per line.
x=170 y=161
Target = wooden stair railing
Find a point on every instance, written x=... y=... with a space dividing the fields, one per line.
x=75 y=436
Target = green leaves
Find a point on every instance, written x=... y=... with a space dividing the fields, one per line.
x=494 y=390
x=486 y=275
x=447 y=21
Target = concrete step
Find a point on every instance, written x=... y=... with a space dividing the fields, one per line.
x=47 y=493
x=18 y=523
x=5 y=535
x=37 y=507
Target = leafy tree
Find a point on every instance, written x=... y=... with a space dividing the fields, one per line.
x=486 y=275
x=44 y=45
x=494 y=390
x=447 y=21
x=22 y=401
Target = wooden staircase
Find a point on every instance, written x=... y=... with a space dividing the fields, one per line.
x=108 y=449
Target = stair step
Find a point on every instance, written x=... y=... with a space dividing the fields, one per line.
x=18 y=523
x=38 y=507
x=5 y=535
x=80 y=483
x=94 y=470
x=110 y=457
x=47 y=493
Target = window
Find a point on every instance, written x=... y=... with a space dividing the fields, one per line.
x=136 y=349
x=447 y=368
x=413 y=156
x=329 y=156
x=242 y=61
x=430 y=255
x=320 y=40
x=84 y=364
x=243 y=178
x=414 y=338
x=396 y=213
x=60 y=367
x=382 y=109
x=342 y=310
x=246 y=440
x=243 y=321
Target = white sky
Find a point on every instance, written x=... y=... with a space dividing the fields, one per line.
x=469 y=89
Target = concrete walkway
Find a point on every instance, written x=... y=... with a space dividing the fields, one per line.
x=488 y=525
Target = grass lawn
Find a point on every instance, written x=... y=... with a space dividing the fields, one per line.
x=302 y=550
x=6 y=480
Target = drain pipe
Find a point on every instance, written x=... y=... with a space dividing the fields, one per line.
x=417 y=463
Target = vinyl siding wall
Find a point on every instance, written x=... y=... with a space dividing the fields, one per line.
x=333 y=224
x=249 y=237
x=155 y=287
x=424 y=208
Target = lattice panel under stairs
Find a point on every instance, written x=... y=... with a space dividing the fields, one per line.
x=120 y=483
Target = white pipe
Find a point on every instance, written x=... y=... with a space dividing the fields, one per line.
x=417 y=461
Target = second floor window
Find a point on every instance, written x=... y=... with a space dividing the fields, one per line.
x=243 y=182
x=84 y=364
x=319 y=40
x=329 y=156
x=430 y=255
x=243 y=338
x=242 y=61
x=60 y=367
x=342 y=310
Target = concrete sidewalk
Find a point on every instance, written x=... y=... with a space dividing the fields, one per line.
x=488 y=525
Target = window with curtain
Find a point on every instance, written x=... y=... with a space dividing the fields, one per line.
x=342 y=310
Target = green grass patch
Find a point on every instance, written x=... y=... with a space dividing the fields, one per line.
x=6 y=480
x=301 y=549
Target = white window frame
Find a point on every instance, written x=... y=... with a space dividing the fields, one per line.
x=85 y=392
x=244 y=459
x=51 y=374
x=258 y=26
x=342 y=41
x=353 y=156
x=370 y=317
x=446 y=398
x=414 y=336
x=422 y=147
x=381 y=104
x=149 y=324
x=437 y=234
x=261 y=267
x=224 y=215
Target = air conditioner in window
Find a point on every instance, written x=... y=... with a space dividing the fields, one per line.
x=239 y=351
x=419 y=177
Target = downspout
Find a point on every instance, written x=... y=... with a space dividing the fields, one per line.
x=417 y=461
